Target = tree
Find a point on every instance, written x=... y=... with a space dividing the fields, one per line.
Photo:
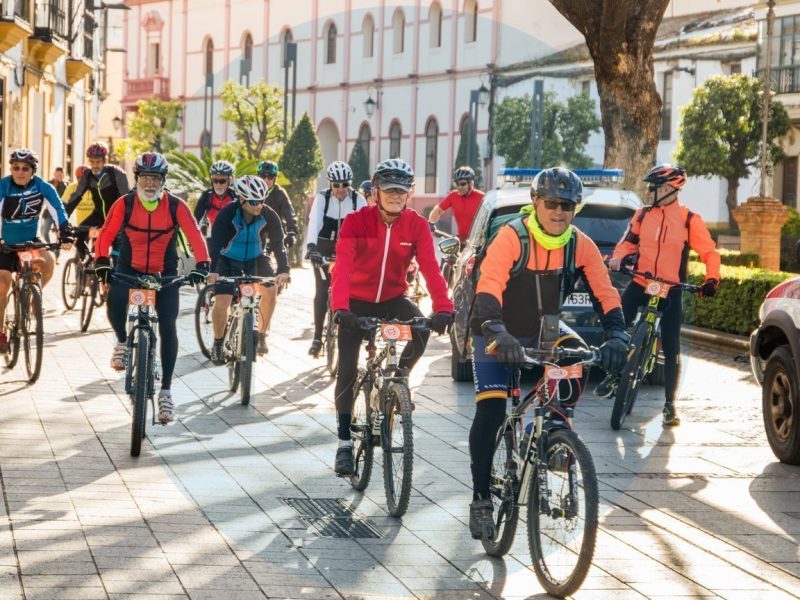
x=620 y=36
x=256 y=113
x=720 y=132
x=359 y=163
x=461 y=154
x=301 y=163
x=190 y=173
x=152 y=126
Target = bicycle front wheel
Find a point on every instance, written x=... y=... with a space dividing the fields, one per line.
x=70 y=282
x=361 y=434
x=398 y=448
x=562 y=525
x=632 y=375
x=88 y=301
x=248 y=353
x=140 y=351
x=503 y=485
x=11 y=327
x=232 y=355
x=32 y=331
x=203 y=326
x=331 y=349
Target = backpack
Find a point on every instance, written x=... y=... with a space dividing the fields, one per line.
x=353 y=196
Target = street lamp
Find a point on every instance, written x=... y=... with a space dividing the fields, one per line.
x=290 y=59
x=370 y=106
x=762 y=189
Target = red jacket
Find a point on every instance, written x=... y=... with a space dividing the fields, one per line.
x=372 y=259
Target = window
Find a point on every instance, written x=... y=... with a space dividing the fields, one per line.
x=735 y=68
x=399 y=30
x=666 y=111
x=586 y=88
x=286 y=38
x=247 y=60
x=470 y=20
x=395 y=133
x=369 y=36
x=153 y=65
x=364 y=137
x=435 y=24
x=330 y=44
x=431 y=154
x=69 y=140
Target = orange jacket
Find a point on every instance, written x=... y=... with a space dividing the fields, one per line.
x=662 y=236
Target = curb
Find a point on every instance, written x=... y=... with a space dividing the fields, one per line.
x=716 y=341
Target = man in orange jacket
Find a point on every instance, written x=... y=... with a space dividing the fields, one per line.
x=658 y=241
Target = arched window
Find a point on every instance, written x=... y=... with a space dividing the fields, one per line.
x=286 y=38
x=395 y=133
x=369 y=36
x=431 y=154
x=330 y=44
x=209 y=57
x=470 y=20
x=435 y=24
x=399 y=31
x=247 y=60
x=364 y=137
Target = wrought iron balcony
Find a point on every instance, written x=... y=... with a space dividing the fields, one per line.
x=785 y=79
x=50 y=20
x=11 y=9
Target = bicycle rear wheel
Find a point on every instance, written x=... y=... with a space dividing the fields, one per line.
x=140 y=350
x=361 y=434
x=203 y=326
x=70 y=282
x=503 y=485
x=331 y=348
x=11 y=327
x=231 y=352
x=248 y=353
x=398 y=448
x=88 y=301
x=32 y=331
x=632 y=375
x=562 y=540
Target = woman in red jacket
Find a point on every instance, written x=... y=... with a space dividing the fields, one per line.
x=375 y=247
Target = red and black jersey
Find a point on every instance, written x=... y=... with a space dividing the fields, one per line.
x=209 y=204
x=148 y=239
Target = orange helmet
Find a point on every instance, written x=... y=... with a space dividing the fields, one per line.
x=80 y=170
x=666 y=173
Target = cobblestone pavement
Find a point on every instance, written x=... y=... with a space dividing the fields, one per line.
x=703 y=510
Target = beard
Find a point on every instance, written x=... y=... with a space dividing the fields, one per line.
x=147 y=196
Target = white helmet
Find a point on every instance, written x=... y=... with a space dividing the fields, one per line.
x=339 y=171
x=250 y=188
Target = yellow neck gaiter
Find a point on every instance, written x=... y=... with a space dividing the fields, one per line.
x=149 y=206
x=544 y=239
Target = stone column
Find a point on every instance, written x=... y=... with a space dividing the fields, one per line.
x=760 y=220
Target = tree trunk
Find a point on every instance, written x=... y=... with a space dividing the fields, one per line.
x=620 y=36
x=731 y=201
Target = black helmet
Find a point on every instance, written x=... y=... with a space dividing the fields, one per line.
x=464 y=173
x=152 y=163
x=366 y=185
x=222 y=167
x=558 y=182
x=267 y=167
x=393 y=172
x=25 y=155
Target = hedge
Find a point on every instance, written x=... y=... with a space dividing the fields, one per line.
x=732 y=258
x=735 y=307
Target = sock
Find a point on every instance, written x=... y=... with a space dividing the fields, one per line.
x=343 y=427
x=345 y=443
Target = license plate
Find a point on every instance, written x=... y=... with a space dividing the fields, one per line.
x=578 y=299
x=657 y=288
x=247 y=290
x=567 y=372
x=142 y=297
x=391 y=331
x=28 y=256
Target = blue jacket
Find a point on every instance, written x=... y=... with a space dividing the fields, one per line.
x=21 y=208
x=236 y=239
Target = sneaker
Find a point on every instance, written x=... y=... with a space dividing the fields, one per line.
x=4 y=345
x=261 y=346
x=119 y=358
x=166 y=407
x=670 y=416
x=344 y=461
x=316 y=348
x=481 y=519
x=217 y=353
x=607 y=387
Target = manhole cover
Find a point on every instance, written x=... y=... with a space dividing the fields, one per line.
x=331 y=517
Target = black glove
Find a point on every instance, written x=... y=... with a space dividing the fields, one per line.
x=709 y=288
x=102 y=268
x=628 y=261
x=346 y=319
x=65 y=233
x=432 y=225
x=614 y=352
x=288 y=240
x=507 y=348
x=440 y=321
x=199 y=274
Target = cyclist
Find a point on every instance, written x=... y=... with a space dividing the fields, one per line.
x=657 y=241
x=375 y=247
x=105 y=182
x=215 y=198
x=145 y=225
x=366 y=190
x=509 y=309
x=239 y=239
x=60 y=185
x=465 y=201
x=86 y=204
x=330 y=207
x=23 y=198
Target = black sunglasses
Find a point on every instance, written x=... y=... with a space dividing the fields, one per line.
x=462 y=183
x=565 y=205
x=336 y=186
x=220 y=181
x=254 y=202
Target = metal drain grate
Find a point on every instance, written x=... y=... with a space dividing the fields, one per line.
x=331 y=517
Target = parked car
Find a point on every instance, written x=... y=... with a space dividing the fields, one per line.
x=775 y=361
x=604 y=217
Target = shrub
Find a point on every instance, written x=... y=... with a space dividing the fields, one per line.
x=732 y=258
x=792 y=226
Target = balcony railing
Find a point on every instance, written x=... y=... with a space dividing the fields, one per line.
x=15 y=8
x=139 y=89
x=51 y=19
x=785 y=79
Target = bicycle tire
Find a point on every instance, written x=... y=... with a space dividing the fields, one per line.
x=570 y=465
x=361 y=434
x=11 y=328
x=503 y=486
x=100 y=297
x=631 y=376
x=88 y=302
x=233 y=363
x=248 y=353
x=140 y=348
x=70 y=280
x=397 y=419
x=203 y=326
x=33 y=329
x=447 y=272
x=331 y=349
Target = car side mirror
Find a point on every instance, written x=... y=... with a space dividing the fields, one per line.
x=450 y=246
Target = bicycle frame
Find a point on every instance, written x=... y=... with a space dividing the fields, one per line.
x=142 y=318
x=249 y=300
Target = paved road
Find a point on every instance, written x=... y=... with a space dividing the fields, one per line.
x=703 y=510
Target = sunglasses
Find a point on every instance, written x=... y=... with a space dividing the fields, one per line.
x=23 y=168
x=219 y=181
x=254 y=202
x=653 y=187
x=268 y=176
x=145 y=179
x=462 y=183
x=336 y=186
x=565 y=205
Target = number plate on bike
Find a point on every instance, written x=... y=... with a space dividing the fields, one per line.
x=247 y=290
x=657 y=288
x=94 y=232
x=566 y=372
x=396 y=332
x=142 y=297
x=27 y=256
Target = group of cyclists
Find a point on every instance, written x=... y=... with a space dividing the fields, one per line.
x=371 y=236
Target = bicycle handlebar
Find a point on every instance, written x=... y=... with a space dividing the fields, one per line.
x=150 y=282
x=535 y=357
x=31 y=245
x=367 y=323
x=241 y=279
x=687 y=287
x=443 y=234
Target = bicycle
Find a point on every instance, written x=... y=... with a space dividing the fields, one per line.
x=141 y=371
x=643 y=347
x=24 y=316
x=203 y=325
x=330 y=332
x=548 y=468
x=239 y=343
x=450 y=247
x=84 y=283
x=383 y=417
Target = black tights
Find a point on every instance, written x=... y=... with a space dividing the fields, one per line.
x=489 y=415
x=323 y=284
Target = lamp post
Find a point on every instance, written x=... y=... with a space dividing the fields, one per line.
x=477 y=98
x=370 y=105
x=290 y=58
x=762 y=190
